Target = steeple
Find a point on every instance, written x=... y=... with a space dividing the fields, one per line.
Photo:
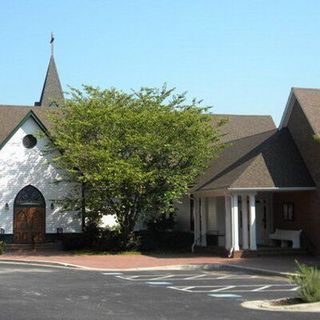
x=52 y=93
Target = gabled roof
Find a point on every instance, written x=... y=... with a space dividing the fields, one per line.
x=12 y=116
x=309 y=100
x=240 y=126
x=52 y=93
x=266 y=160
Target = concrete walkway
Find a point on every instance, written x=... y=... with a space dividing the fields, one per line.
x=125 y=262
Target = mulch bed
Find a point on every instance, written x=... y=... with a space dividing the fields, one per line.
x=286 y=302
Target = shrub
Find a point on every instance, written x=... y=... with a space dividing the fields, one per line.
x=93 y=238
x=72 y=241
x=308 y=279
x=1 y=247
x=165 y=241
x=161 y=223
x=101 y=239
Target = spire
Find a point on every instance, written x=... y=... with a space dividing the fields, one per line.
x=52 y=93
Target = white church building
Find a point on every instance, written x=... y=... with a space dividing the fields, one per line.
x=29 y=192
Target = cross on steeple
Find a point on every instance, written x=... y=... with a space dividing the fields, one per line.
x=52 y=43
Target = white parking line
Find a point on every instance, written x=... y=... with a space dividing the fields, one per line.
x=224 y=277
x=261 y=288
x=236 y=288
x=295 y=289
x=195 y=277
x=223 y=289
x=185 y=277
x=130 y=278
x=158 y=283
x=187 y=289
x=162 y=277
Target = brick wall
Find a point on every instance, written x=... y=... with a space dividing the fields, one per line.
x=307 y=203
x=306 y=214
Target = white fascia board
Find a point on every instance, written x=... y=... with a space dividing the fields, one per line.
x=273 y=189
x=287 y=111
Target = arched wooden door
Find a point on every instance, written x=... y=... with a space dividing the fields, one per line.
x=29 y=216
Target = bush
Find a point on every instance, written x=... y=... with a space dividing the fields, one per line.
x=165 y=241
x=99 y=239
x=308 y=279
x=93 y=238
x=163 y=222
x=72 y=241
x=1 y=247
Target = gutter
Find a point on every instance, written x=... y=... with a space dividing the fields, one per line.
x=274 y=189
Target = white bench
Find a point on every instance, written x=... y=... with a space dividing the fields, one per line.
x=287 y=235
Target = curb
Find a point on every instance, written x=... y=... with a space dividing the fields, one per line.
x=43 y=263
x=193 y=267
x=57 y=264
x=248 y=269
x=267 y=306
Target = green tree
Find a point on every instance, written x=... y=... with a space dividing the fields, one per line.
x=134 y=154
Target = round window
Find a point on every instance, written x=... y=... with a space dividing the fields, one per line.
x=29 y=141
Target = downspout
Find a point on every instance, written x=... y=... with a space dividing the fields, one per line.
x=231 y=251
x=194 y=241
x=228 y=227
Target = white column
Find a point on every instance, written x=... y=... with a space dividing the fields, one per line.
x=227 y=222
x=252 y=202
x=235 y=223
x=203 y=222
x=244 y=209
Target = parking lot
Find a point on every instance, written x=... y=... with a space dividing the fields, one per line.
x=43 y=292
x=218 y=284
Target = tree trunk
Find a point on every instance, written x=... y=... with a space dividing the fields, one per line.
x=83 y=206
x=128 y=222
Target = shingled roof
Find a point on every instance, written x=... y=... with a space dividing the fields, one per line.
x=309 y=100
x=51 y=94
x=257 y=154
x=11 y=116
x=268 y=159
x=240 y=126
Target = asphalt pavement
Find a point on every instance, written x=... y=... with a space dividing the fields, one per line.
x=36 y=292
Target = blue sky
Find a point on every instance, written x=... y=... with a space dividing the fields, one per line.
x=240 y=57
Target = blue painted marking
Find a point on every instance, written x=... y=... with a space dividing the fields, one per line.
x=224 y=295
x=159 y=282
x=112 y=273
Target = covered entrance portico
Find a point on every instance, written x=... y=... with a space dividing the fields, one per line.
x=244 y=217
x=241 y=195
x=238 y=210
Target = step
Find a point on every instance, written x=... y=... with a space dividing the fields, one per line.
x=270 y=252
x=265 y=251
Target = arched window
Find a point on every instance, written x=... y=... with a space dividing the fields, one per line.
x=29 y=196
